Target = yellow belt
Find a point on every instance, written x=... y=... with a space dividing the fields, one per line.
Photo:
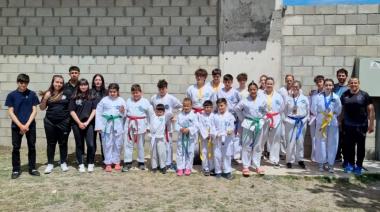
x=209 y=148
x=325 y=122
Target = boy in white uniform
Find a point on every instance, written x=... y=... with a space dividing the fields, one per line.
x=199 y=92
x=109 y=121
x=215 y=83
x=242 y=78
x=187 y=126
x=171 y=103
x=158 y=120
x=135 y=127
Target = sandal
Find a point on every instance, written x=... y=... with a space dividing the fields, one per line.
x=245 y=172
x=260 y=171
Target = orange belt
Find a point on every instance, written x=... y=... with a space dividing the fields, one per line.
x=271 y=117
x=130 y=119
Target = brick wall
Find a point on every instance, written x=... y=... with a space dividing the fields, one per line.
x=321 y=39
x=108 y=27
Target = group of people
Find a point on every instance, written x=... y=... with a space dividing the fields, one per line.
x=216 y=121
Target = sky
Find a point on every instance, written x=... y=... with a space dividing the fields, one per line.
x=329 y=2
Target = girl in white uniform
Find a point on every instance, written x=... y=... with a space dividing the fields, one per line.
x=109 y=122
x=272 y=131
x=296 y=114
x=135 y=127
x=224 y=123
x=252 y=111
x=327 y=108
x=187 y=126
x=171 y=103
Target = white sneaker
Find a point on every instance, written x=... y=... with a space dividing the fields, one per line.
x=81 y=168
x=49 y=169
x=64 y=167
x=90 y=167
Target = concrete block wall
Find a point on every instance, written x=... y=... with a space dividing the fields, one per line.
x=321 y=39
x=109 y=27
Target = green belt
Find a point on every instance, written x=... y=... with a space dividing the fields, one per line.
x=110 y=118
x=254 y=122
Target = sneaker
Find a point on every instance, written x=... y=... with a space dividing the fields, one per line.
x=331 y=169
x=141 y=166
x=90 y=167
x=163 y=170
x=34 y=172
x=187 y=172
x=117 y=167
x=302 y=164
x=126 y=167
x=228 y=176
x=81 y=168
x=245 y=172
x=218 y=175
x=206 y=173
x=179 y=172
x=288 y=165
x=64 y=167
x=108 y=168
x=260 y=171
x=321 y=168
x=15 y=174
x=276 y=165
x=348 y=168
x=49 y=169
x=154 y=170
x=358 y=170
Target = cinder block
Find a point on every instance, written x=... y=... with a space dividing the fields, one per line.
x=52 y=3
x=68 y=3
x=208 y=31
x=198 y=41
x=62 y=31
x=123 y=21
x=368 y=8
x=79 y=11
x=356 y=19
x=134 y=11
x=330 y=9
x=287 y=51
x=172 y=50
x=15 y=21
x=116 y=69
x=45 y=50
x=99 y=50
x=33 y=60
x=26 y=12
x=170 y=11
x=312 y=61
x=98 y=31
x=179 y=41
x=303 y=30
x=367 y=29
x=161 y=3
x=190 y=30
x=160 y=21
x=198 y=3
x=324 y=51
x=45 y=31
x=87 y=41
x=152 y=69
x=356 y=40
x=292 y=40
x=87 y=3
x=105 y=3
x=134 y=31
x=212 y=41
x=153 y=50
x=190 y=11
x=142 y=41
x=152 y=11
x=50 y=59
x=322 y=70
x=123 y=41
x=33 y=3
x=135 y=50
x=287 y=30
x=313 y=40
x=69 y=40
x=115 y=31
x=303 y=10
x=345 y=50
x=180 y=3
x=212 y=21
x=97 y=11
x=313 y=19
x=160 y=41
x=51 y=21
x=325 y=30
x=374 y=19
x=345 y=29
x=69 y=60
x=134 y=69
x=302 y=71
x=44 y=12
x=11 y=31
x=87 y=60
x=124 y=2
x=9 y=12
x=62 y=12
x=104 y=41
x=153 y=31
x=28 y=31
x=115 y=11
x=63 y=50
x=303 y=50
x=334 y=40
x=80 y=31
x=16 y=3
x=87 y=21
x=347 y=9
x=171 y=30
x=335 y=19
x=333 y=61
x=69 y=21
x=293 y=20
x=374 y=40
x=198 y=21
x=142 y=21
x=293 y=61
x=105 y=21
x=209 y=11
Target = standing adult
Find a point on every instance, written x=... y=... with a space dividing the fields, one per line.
x=72 y=84
x=339 y=89
x=98 y=91
x=358 y=119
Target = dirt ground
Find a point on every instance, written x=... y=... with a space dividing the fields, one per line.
x=145 y=191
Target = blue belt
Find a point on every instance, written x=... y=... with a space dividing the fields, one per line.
x=298 y=123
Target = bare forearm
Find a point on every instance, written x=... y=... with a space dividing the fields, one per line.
x=32 y=116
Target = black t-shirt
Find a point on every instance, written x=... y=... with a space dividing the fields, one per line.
x=59 y=110
x=98 y=95
x=69 y=89
x=82 y=107
x=355 y=108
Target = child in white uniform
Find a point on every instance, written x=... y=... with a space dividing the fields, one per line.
x=187 y=126
x=199 y=92
x=135 y=127
x=215 y=83
x=296 y=114
x=109 y=122
x=171 y=103
x=327 y=108
x=252 y=111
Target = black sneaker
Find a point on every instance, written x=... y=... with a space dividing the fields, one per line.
x=126 y=167
x=302 y=164
x=212 y=172
x=218 y=176
x=34 y=172
x=141 y=166
x=206 y=173
x=288 y=165
x=276 y=165
x=154 y=170
x=228 y=176
x=15 y=174
x=163 y=170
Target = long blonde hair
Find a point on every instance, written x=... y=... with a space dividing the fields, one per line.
x=55 y=96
